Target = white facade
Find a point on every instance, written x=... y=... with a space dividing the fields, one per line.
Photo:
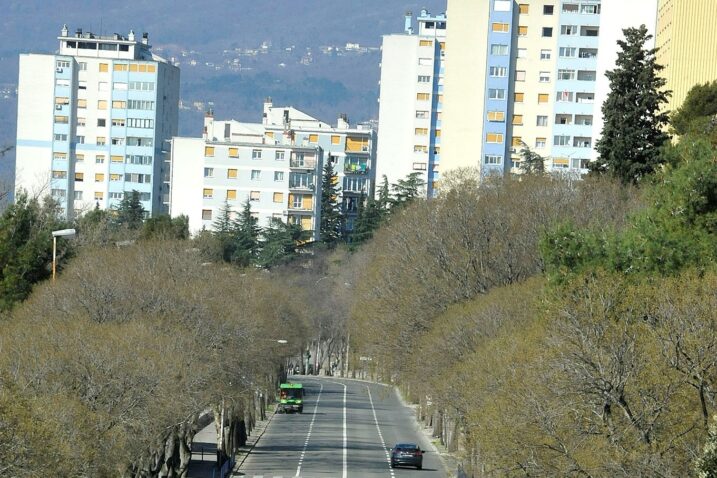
x=93 y=121
x=233 y=163
x=410 y=103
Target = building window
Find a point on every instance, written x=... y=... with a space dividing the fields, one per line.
x=425 y=43
x=255 y=175
x=82 y=103
x=423 y=96
x=99 y=195
x=79 y=157
x=102 y=104
x=568 y=29
x=118 y=141
x=100 y=159
x=115 y=177
x=336 y=139
x=101 y=141
x=518 y=120
x=99 y=177
x=231 y=194
x=498 y=71
x=545 y=54
x=561 y=140
x=101 y=122
x=208 y=172
x=544 y=77
x=209 y=151
x=522 y=30
x=206 y=214
x=278 y=175
x=233 y=152
x=493 y=159
x=517 y=141
x=78 y=196
x=118 y=122
x=570 y=8
x=519 y=97
x=501 y=27
x=499 y=50
x=254 y=196
x=419 y=166
x=104 y=67
x=313 y=138
x=565 y=96
x=548 y=9
x=586 y=75
x=256 y=154
x=208 y=193
x=280 y=155
x=494 y=138
x=422 y=114
x=425 y=62
x=232 y=173
x=421 y=131
x=547 y=32
x=502 y=5
x=519 y=75
x=541 y=121
x=140 y=123
x=590 y=9
x=119 y=105
x=138 y=178
x=567 y=52
x=421 y=79
x=419 y=148
x=59 y=175
x=540 y=142
x=62 y=119
x=62 y=156
x=138 y=159
x=80 y=139
x=140 y=105
x=566 y=74
x=522 y=52
x=116 y=195
x=523 y=8
x=278 y=198
x=496 y=94
x=543 y=97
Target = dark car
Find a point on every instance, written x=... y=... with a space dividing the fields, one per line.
x=406 y=454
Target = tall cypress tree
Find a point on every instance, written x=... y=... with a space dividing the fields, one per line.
x=384 y=195
x=634 y=123
x=130 y=212
x=368 y=220
x=246 y=237
x=408 y=189
x=531 y=162
x=332 y=221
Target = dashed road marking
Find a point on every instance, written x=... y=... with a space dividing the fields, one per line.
x=308 y=435
x=380 y=435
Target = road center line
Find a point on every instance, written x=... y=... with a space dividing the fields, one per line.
x=308 y=435
x=380 y=435
x=345 y=451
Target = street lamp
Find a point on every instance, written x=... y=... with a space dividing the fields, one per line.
x=55 y=235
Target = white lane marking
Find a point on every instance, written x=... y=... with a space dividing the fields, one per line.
x=308 y=436
x=380 y=435
x=345 y=450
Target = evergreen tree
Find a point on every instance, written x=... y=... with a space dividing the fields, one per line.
x=367 y=221
x=246 y=234
x=633 y=131
x=408 y=189
x=332 y=221
x=278 y=245
x=531 y=162
x=165 y=227
x=384 y=196
x=698 y=113
x=26 y=246
x=130 y=212
x=223 y=223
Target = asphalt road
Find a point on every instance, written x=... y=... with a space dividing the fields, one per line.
x=347 y=430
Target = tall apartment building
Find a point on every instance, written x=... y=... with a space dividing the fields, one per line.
x=411 y=101
x=93 y=120
x=687 y=45
x=277 y=164
x=233 y=162
x=525 y=74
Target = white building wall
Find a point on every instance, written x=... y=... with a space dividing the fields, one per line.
x=397 y=107
x=187 y=179
x=35 y=123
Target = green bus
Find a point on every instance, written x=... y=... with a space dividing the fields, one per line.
x=291 y=397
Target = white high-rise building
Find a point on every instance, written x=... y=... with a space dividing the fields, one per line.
x=93 y=120
x=411 y=100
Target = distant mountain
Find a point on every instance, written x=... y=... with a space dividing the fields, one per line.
x=294 y=71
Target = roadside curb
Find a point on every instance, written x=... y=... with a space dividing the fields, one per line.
x=246 y=450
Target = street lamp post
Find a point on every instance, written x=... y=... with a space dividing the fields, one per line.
x=55 y=235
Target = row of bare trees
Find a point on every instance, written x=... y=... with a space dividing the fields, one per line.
x=108 y=371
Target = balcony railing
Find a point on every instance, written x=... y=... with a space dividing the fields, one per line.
x=306 y=163
x=302 y=186
x=356 y=168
